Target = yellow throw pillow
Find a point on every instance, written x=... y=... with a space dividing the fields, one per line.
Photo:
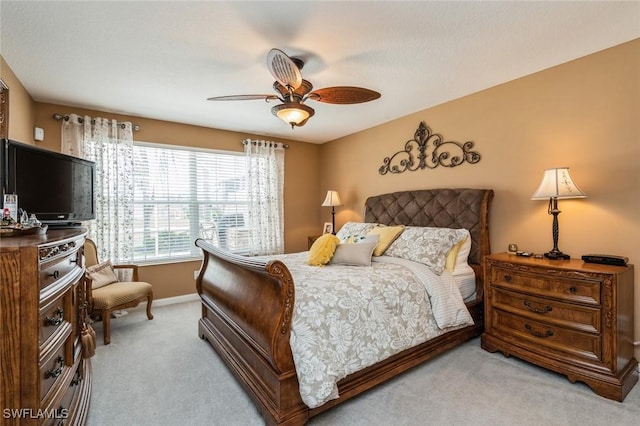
x=450 y=262
x=322 y=250
x=387 y=235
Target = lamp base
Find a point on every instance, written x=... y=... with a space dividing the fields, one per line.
x=556 y=255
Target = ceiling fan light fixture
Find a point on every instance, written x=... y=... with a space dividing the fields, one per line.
x=292 y=113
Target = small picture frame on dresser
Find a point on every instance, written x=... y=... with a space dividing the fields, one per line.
x=327 y=228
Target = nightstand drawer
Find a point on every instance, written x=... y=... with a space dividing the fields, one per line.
x=581 y=318
x=543 y=284
x=545 y=336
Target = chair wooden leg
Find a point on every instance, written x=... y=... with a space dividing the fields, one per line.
x=149 y=300
x=106 y=325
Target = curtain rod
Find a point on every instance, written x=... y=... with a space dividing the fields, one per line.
x=65 y=117
x=284 y=145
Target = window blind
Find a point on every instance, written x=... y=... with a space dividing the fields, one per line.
x=181 y=194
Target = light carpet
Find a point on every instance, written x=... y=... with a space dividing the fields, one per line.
x=160 y=372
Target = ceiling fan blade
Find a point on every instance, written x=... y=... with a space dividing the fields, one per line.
x=344 y=95
x=243 y=98
x=283 y=68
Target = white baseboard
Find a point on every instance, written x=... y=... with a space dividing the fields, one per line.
x=168 y=301
x=177 y=299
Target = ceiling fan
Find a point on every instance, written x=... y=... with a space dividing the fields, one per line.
x=293 y=91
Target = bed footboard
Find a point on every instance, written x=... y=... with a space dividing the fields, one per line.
x=246 y=316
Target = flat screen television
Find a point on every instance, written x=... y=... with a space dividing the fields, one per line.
x=57 y=188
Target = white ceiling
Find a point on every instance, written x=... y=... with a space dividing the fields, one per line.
x=162 y=60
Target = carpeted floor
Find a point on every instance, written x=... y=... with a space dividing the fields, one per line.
x=161 y=373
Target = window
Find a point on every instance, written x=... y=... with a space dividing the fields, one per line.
x=181 y=194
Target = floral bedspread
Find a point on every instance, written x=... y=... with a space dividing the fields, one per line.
x=347 y=318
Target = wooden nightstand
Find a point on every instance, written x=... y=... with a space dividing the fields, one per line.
x=312 y=239
x=571 y=317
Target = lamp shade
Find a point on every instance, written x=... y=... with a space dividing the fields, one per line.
x=332 y=199
x=557 y=183
x=293 y=113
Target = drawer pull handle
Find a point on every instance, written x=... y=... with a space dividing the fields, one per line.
x=53 y=373
x=61 y=413
x=544 y=310
x=549 y=333
x=77 y=378
x=56 y=320
x=55 y=274
x=507 y=278
x=573 y=290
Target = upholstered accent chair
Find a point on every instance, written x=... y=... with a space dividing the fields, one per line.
x=112 y=287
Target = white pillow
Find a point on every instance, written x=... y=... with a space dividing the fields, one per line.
x=354 y=228
x=462 y=260
x=426 y=245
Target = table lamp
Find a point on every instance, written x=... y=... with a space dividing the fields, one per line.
x=332 y=200
x=556 y=183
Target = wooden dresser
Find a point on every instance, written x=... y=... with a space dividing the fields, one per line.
x=44 y=379
x=571 y=317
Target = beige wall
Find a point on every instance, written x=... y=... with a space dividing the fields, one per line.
x=584 y=114
x=302 y=177
x=21 y=108
x=302 y=172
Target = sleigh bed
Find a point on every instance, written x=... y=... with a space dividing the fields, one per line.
x=248 y=305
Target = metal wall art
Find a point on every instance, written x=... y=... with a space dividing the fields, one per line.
x=428 y=155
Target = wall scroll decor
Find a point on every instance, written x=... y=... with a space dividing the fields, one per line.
x=407 y=159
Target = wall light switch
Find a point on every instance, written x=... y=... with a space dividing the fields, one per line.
x=38 y=133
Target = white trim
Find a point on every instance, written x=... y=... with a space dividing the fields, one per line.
x=176 y=299
x=161 y=145
x=192 y=297
x=636 y=343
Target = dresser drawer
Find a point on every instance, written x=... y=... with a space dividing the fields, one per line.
x=554 y=312
x=52 y=370
x=545 y=337
x=543 y=284
x=53 y=271
x=55 y=318
x=68 y=404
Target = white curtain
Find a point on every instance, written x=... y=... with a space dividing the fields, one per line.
x=266 y=196
x=110 y=144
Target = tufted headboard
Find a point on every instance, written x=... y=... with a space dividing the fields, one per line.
x=443 y=208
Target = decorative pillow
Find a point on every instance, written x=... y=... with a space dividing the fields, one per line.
x=459 y=253
x=354 y=239
x=322 y=250
x=357 y=253
x=387 y=235
x=354 y=228
x=426 y=245
x=101 y=274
